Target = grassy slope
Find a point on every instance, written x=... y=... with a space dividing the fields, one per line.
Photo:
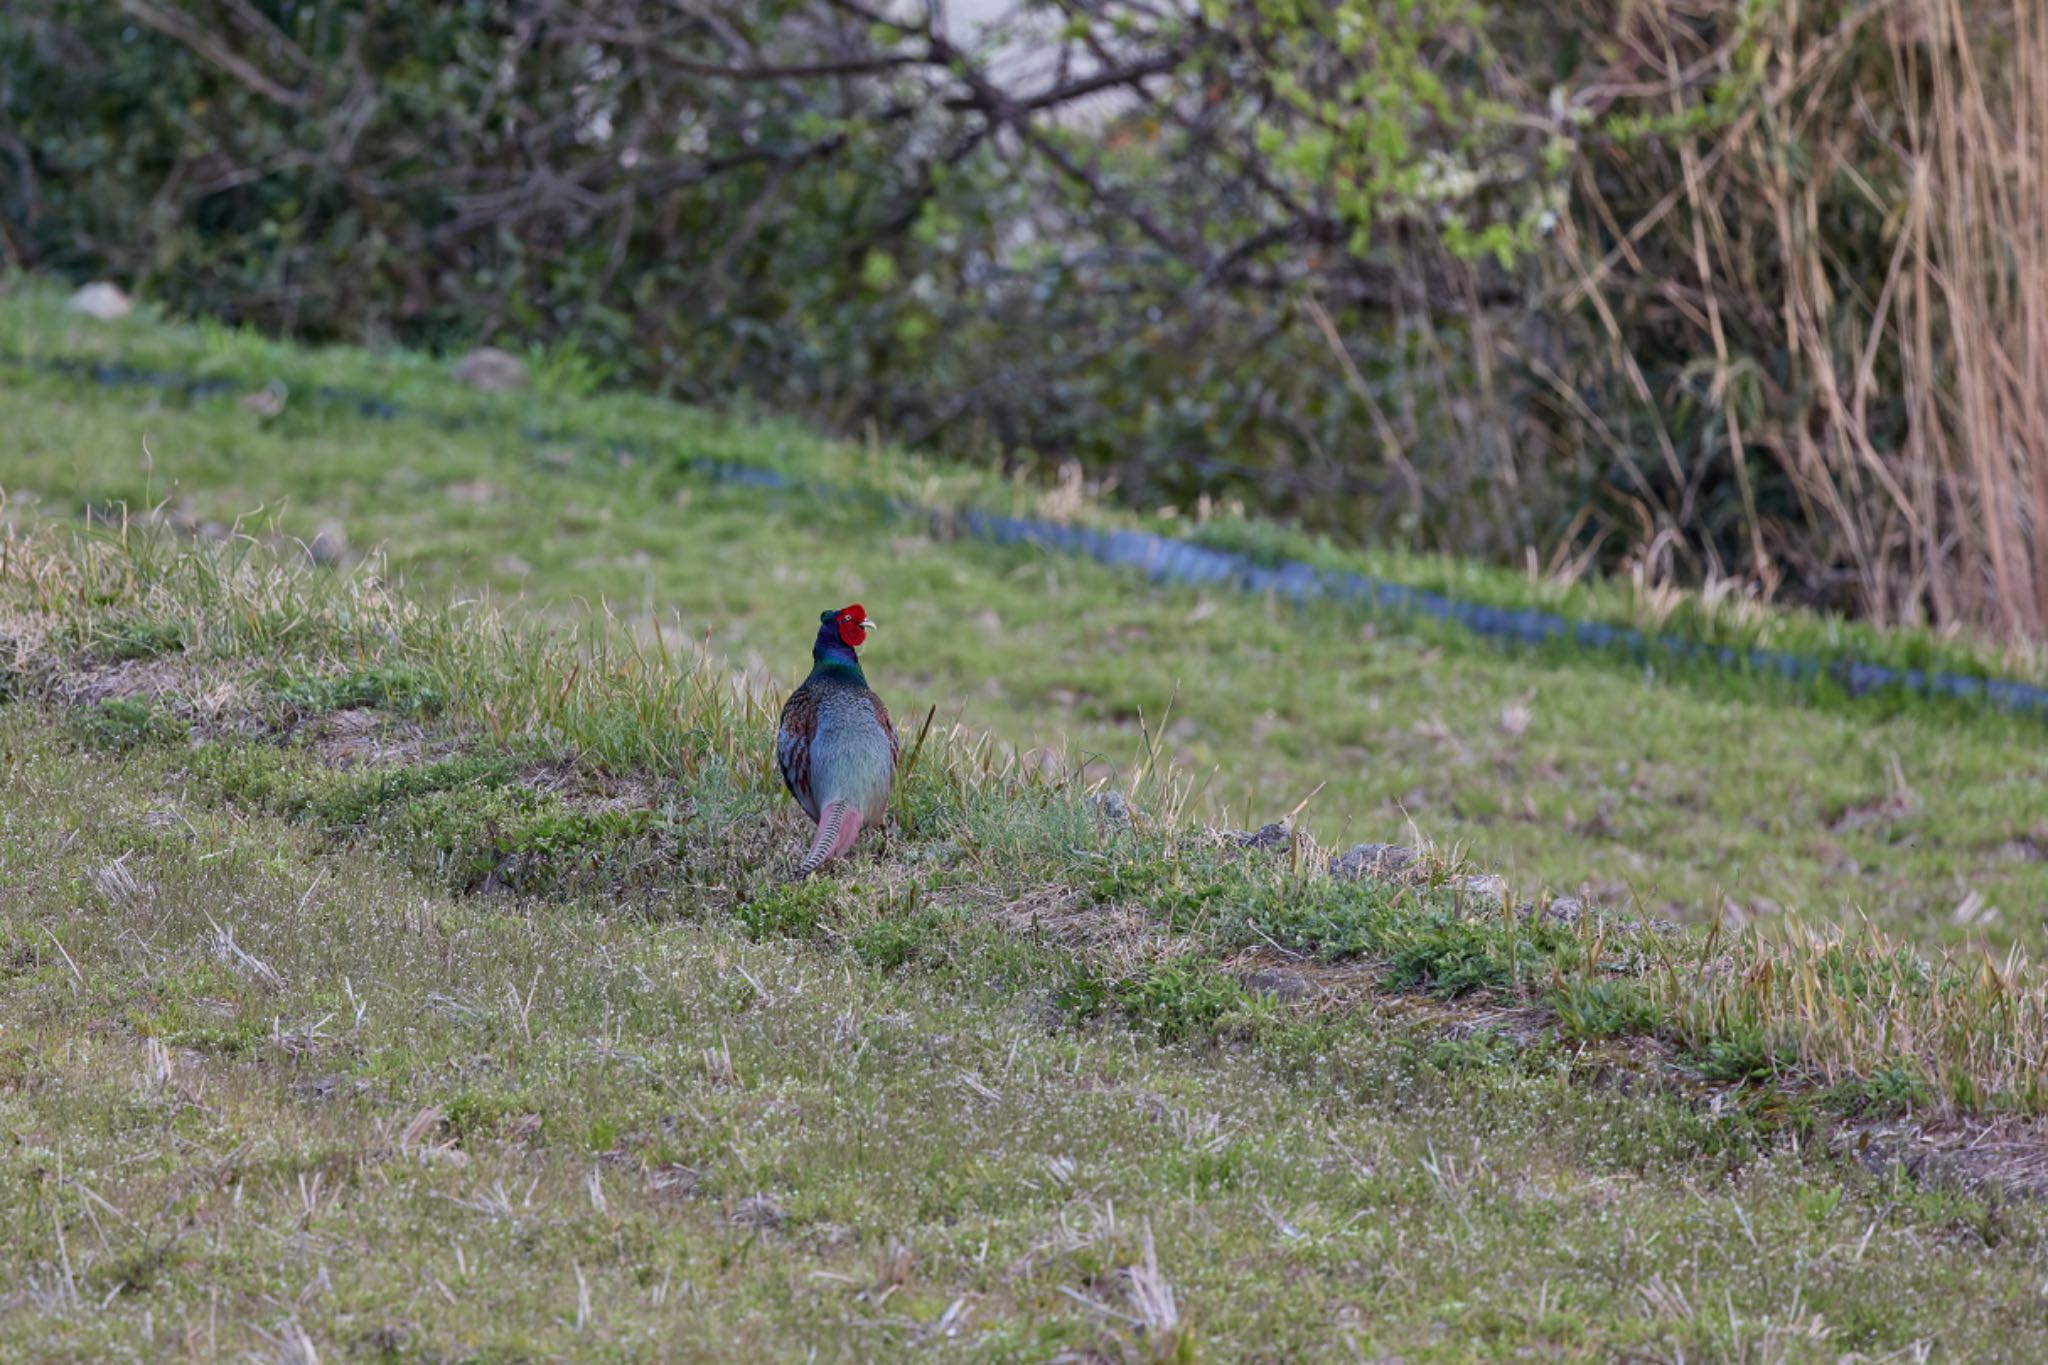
x=282 y=1062
x=1678 y=796
x=229 y=1167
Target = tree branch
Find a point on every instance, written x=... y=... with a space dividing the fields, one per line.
x=183 y=27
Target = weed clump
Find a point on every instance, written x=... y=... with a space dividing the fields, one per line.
x=130 y=640
x=891 y=943
x=1605 y=1009
x=1449 y=957
x=402 y=688
x=119 y=724
x=1180 y=1002
x=791 y=910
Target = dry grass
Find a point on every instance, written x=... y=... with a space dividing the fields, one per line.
x=1883 y=414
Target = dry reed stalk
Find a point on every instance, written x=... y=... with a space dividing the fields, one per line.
x=1902 y=400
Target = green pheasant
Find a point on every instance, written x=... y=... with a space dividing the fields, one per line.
x=835 y=745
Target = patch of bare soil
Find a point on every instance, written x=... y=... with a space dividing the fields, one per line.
x=1292 y=979
x=2024 y=848
x=213 y=699
x=1126 y=935
x=2005 y=1157
x=588 y=790
x=127 y=680
x=364 y=737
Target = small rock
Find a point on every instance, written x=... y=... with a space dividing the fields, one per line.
x=475 y=492
x=1112 y=809
x=389 y=1339
x=758 y=1211
x=1370 y=860
x=1274 y=835
x=320 y=1087
x=513 y=565
x=269 y=400
x=329 y=545
x=1280 y=983
x=676 y=1181
x=102 y=300
x=491 y=370
x=165 y=818
x=1487 y=888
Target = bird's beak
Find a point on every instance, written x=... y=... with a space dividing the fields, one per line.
x=868 y=624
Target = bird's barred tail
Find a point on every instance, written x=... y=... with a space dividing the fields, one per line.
x=838 y=823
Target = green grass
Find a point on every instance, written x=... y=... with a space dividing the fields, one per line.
x=279 y=1071
x=398 y=957
x=557 y=765
x=1684 y=797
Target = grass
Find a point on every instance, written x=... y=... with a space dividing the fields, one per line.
x=1692 y=798
x=1043 y=1078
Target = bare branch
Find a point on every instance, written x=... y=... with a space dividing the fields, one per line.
x=183 y=27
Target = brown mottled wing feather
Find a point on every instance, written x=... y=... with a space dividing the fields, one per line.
x=793 y=746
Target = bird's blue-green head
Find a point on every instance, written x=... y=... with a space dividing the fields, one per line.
x=840 y=633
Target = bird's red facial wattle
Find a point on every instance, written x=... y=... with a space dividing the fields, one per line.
x=854 y=626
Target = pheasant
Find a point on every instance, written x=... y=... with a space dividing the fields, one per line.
x=835 y=746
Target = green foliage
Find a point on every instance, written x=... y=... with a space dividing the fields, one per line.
x=1605 y=1009
x=864 y=266
x=1890 y=1090
x=509 y=838
x=1375 y=285
x=464 y=820
x=1744 y=1053
x=141 y=640
x=481 y=1112
x=1180 y=1001
x=888 y=943
x=407 y=690
x=1252 y=900
x=259 y=776
x=1449 y=956
x=343 y=799
x=1485 y=1050
x=789 y=910
x=120 y=723
x=1083 y=994
x=1363 y=94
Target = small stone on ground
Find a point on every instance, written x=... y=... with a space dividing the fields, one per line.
x=491 y=370
x=102 y=300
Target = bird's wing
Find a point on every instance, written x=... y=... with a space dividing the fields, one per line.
x=882 y=715
x=793 y=746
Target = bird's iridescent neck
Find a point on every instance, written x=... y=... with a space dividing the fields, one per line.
x=833 y=658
